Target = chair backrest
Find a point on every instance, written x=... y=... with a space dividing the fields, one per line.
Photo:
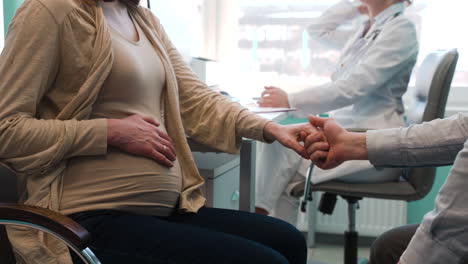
x=8 y=194
x=433 y=82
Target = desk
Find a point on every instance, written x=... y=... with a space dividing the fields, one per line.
x=247 y=164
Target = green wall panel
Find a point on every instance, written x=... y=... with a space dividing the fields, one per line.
x=292 y=120
x=417 y=209
x=9 y=8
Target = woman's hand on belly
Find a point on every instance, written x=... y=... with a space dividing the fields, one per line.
x=140 y=135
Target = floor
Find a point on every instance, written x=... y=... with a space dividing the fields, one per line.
x=331 y=254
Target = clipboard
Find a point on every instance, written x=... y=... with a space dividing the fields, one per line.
x=262 y=110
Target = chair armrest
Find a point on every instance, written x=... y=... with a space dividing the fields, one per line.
x=47 y=219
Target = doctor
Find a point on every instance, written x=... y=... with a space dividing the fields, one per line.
x=367 y=88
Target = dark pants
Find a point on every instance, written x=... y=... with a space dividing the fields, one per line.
x=210 y=236
x=389 y=246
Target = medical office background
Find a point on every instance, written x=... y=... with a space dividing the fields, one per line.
x=264 y=42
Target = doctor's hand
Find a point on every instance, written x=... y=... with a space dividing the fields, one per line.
x=289 y=136
x=273 y=97
x=343 y=145
x=140 y=135
x=363 y=9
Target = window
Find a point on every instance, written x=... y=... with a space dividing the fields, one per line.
x=441 y=23
x=182 y=22
x=264 y=42
x=274 y=48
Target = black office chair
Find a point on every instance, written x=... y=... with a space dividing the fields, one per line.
x=50 y=222
x=433 y=83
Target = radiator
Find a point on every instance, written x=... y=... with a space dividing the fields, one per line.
x=373 y=217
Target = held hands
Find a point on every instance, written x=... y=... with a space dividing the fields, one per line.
x=325 y=156
x=273 y=97
x=140 y=135
x=290 y=136
x=332 y=145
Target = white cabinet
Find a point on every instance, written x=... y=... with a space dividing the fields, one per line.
x=221 y=172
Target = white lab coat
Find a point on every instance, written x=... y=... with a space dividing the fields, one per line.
x=365 y=92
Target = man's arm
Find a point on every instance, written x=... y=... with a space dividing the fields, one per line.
x=432 y=143
x=442 y=236
x=443 y=230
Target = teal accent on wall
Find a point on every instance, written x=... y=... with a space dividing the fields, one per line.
x=292 y=120
x=417 y=209
x=9 y=9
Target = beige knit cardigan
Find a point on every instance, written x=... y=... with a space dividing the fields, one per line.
x=56 y=57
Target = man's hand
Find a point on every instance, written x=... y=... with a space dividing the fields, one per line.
x=343 y=145
x=273 y=97
x=289 y=136
x=140 y=135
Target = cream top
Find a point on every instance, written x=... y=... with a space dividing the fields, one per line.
x=120 y=180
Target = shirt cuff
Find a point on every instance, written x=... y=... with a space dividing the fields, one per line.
x=91 y=138
x=383 y=146
x=424 y=249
